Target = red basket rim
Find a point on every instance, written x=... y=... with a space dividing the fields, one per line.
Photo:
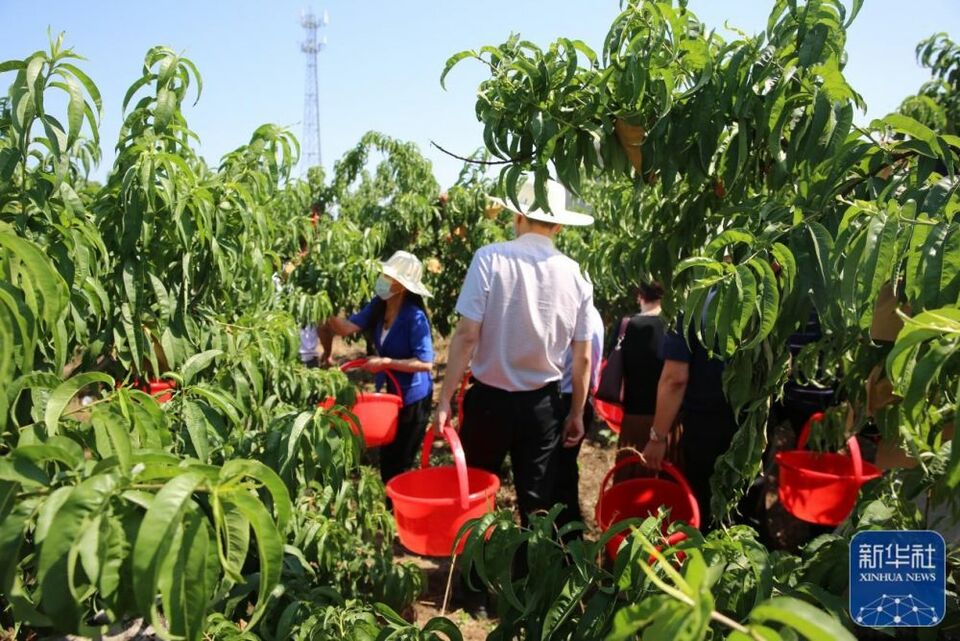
x=870 y=471
x=379 y=396
x=489 y=490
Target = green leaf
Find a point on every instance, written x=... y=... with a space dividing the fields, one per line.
x=65 y=392
x=44 y=278
x=907 y=125
x=952 y=473
x=22 y=471
x=55 y=568
x=166 y=106
x=188 y=585
x=729 y=237
x=233 y=537
x=814 y=624
x=452 y=62
x=197 y=363
x=269 y=548
x=238 y=468
x=197 y=426
x=112 y=436
x=926 y=371
x=155 y=533
x=75 y=108
x=11 y=65
x=769 y=301
x=87 y=83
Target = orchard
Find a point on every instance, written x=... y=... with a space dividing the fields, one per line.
x=166 y=457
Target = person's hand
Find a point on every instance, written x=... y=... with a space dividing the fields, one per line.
x=573 y=430
x=653 y=454
x=376 y=364
x=442 y=417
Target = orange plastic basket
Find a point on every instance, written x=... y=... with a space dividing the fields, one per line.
x=822 y=487
x=431 y=504
x=643 y=497
x=378 y=413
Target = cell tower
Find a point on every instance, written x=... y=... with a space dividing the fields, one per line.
x=311 y=46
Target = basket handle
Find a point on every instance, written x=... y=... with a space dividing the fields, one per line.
x=856 y=458
x=853 y=446
x=805 y=432
x=667 y=467
x=360 y=362
x=459 y=460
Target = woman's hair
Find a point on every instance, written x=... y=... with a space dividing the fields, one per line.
x=650 y=290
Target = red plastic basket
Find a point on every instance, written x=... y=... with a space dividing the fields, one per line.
x=160 y=389
x=432 y=504
x=611 y=413
x=822 y=487
x=378 y=413
x=643 y=497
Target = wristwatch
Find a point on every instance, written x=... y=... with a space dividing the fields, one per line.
x=655 y=436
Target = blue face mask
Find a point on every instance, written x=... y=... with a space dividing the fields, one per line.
x=383 y=288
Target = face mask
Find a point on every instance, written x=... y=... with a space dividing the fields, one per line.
x=383 y=288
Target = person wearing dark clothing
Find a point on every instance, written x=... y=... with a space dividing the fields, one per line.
x=692 y=380
x=398 y=322
x=642 y=365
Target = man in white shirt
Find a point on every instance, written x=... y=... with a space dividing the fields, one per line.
x=522 y=306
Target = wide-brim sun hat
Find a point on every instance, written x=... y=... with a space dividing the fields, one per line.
x=556 y=199
x=406 y=269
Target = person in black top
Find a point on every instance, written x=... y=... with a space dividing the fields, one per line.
x=693 y=379
x=641 y=373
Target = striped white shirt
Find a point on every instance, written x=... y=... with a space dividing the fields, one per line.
x=531 y=302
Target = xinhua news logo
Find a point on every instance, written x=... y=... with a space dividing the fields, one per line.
x=898 y=578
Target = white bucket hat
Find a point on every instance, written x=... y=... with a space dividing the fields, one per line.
x=406 y=269
x=557 y=200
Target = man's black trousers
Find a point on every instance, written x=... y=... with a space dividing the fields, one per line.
x=525 y=425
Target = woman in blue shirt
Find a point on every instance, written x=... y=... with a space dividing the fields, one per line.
x=397 y=319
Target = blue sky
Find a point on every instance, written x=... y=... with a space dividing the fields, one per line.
x=383 y=60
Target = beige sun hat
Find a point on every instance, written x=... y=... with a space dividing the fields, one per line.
x=556 y=199
x=406 y=269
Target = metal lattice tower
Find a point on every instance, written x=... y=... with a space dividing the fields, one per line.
x=311 y=46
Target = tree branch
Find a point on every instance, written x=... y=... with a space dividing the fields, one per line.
x=481 y=162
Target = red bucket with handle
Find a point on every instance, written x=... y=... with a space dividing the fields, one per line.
x=643 y=497
x=822 y=487
x=377 y=412
x=431 y=504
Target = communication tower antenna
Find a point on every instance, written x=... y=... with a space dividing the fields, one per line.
x=311 y=47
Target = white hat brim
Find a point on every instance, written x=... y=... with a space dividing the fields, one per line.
x=410 y=285
x=561 y=217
